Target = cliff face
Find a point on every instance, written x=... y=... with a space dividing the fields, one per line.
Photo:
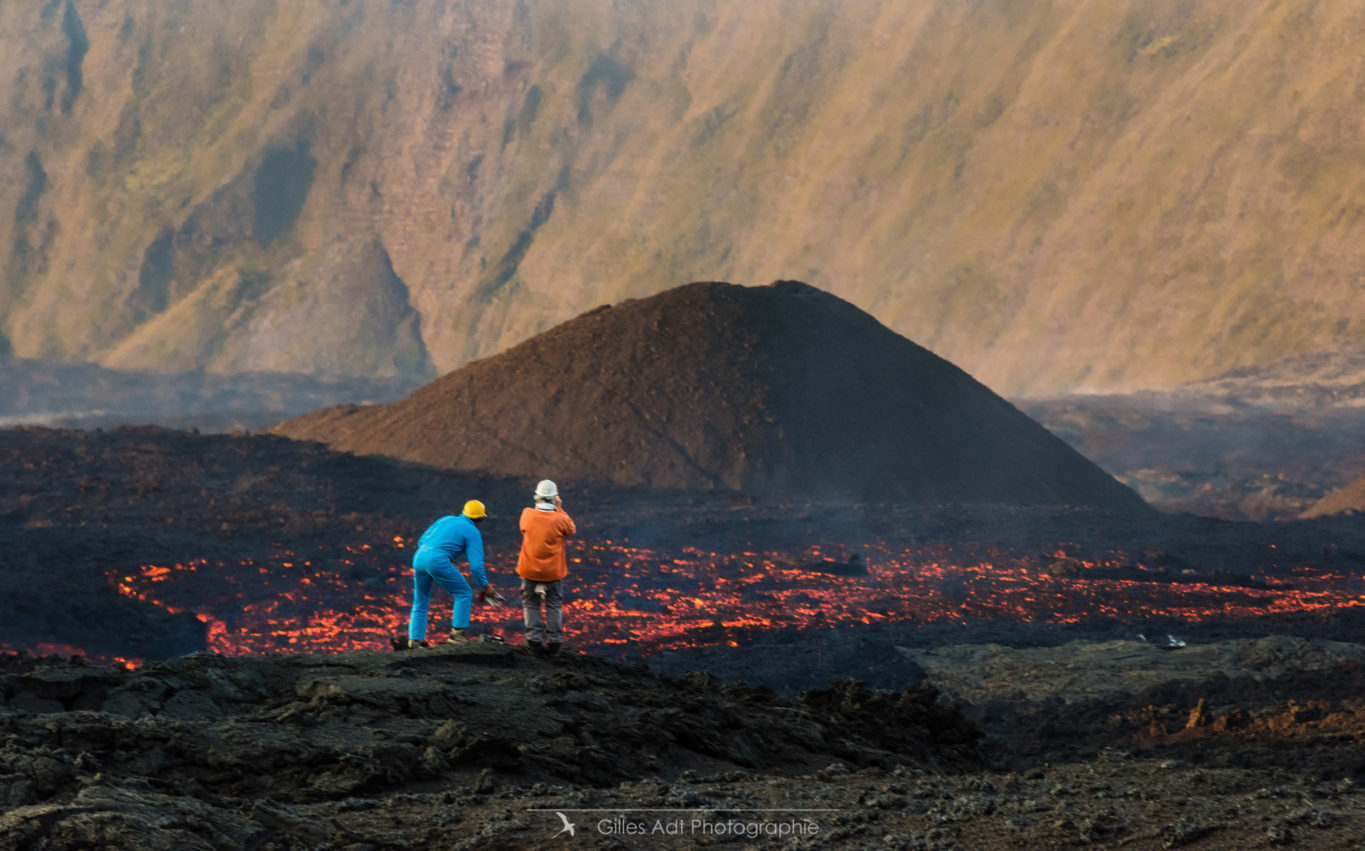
x=1055 y=197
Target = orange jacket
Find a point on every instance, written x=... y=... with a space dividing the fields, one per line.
x=542 y=544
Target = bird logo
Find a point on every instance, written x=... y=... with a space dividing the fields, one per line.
x=568 y=825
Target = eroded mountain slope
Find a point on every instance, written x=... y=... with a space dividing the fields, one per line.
x=1054 y=196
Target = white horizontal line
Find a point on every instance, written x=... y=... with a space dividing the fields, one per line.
x=682 y=810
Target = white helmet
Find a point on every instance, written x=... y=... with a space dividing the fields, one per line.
x=546 y=490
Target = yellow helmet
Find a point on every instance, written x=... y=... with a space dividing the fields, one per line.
x=474 y=509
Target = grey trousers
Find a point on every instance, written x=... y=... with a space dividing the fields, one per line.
x=550 y=629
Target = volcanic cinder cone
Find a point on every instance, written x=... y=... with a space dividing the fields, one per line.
x=781 y=390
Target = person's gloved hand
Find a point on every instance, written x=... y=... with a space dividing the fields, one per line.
x=490 y=597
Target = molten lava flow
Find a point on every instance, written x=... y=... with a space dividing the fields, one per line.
x=623 y=599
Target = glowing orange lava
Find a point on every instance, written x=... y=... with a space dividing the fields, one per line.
x=48 y=648
x=623 y=599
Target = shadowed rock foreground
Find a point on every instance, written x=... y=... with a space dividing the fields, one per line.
x=384 y=750
x=483 y=746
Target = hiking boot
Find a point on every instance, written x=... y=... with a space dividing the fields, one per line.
x=414 y=643
x=456 y=635
x=553 y=648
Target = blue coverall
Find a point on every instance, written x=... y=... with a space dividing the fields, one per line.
x=434 y=562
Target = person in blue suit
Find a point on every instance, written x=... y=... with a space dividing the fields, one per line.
x=434 y=562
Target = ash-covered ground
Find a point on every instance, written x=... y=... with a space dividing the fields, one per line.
x=970 y=733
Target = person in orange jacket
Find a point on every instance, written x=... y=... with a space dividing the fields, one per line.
x=542 y=568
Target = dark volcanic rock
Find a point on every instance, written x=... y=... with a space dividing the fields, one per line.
x=908 y=722
x=236 y=752
x=764 y=390
x=79 y=508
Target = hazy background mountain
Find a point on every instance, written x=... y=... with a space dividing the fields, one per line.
x=86 y=396
x=1054 y=196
